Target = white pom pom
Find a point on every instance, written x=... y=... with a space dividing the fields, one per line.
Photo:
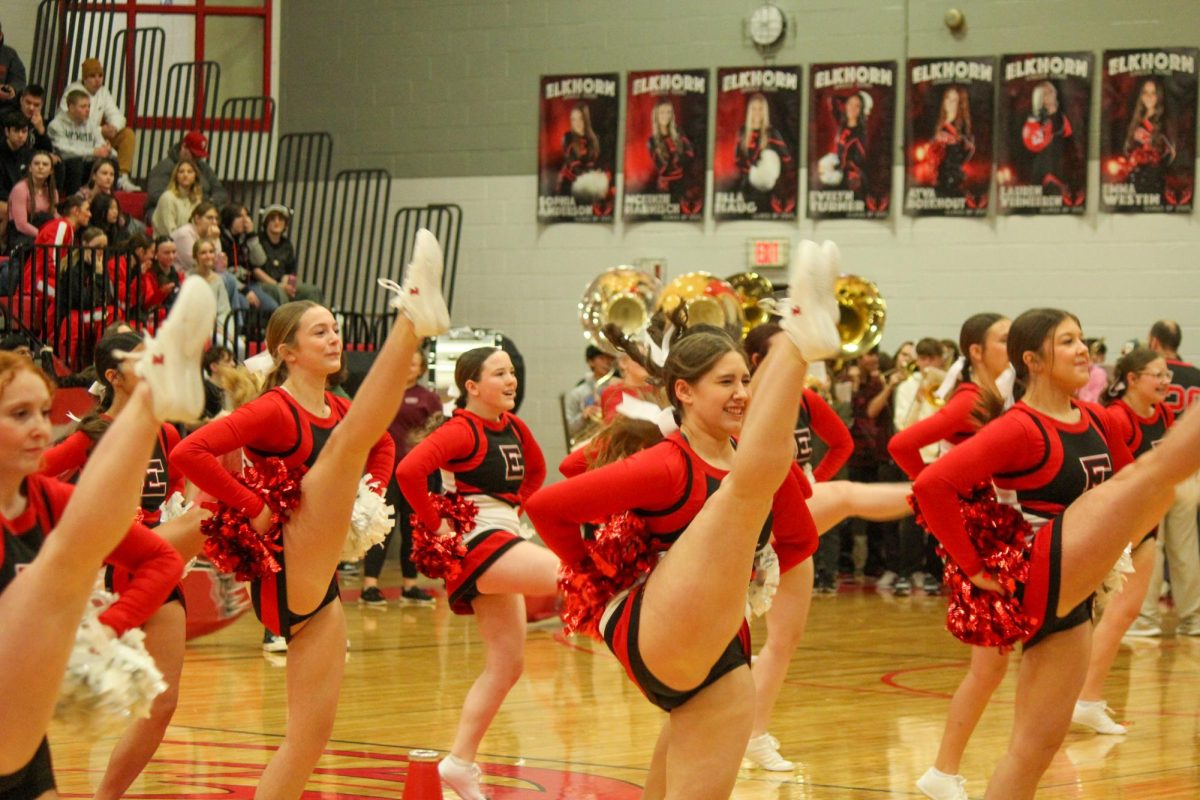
x=1114 y=581
x=174 y=507
x=370 y=522
x=765 y=171
x=590 y=186
x=765 y=582
x=109 y=682
x=827 y=170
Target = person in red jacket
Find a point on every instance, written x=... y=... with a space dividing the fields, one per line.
x=983 y=341
x=1059 y=455
x=1137 y=412
x=681 y=633
x=55 y=535
x=488 y=455
x=298 y=421
x=830 y=503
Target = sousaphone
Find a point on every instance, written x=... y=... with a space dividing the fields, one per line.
x=623 y=296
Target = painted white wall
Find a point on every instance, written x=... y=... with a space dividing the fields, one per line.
x=1118 y=273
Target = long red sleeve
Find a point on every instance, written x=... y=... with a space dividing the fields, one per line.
x=155 y=565
x=653 y=479
x=576 y=463
x=67 y=457
x=450 y=441
x=951 y=422
x=830 y=429
x=535 y=462
x=795 y=533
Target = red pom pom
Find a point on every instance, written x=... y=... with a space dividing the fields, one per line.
x=618 y=557
x=441 y=556
x=231 y=542
x=1001 y=535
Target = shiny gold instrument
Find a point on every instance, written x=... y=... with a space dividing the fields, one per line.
x=863 y=314
x=707 y=299
x=623 y=296
x=751 y=288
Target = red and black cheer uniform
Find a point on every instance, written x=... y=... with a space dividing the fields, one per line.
x=1140 y=434
x=952 y=423
x=578 y=157
x=954 y=149
x=747 y=155
x=495 y=463
x=818 y=419
x=272 y=426
x=1045 y=136
x=850 y=144
x=1049 y=464
x=1149 y=153
x=155 y=568
x=669 y=161
x=665 y=486
x=66 y=459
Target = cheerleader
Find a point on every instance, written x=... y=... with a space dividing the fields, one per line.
x=1137 y=414
x=680 y=632
x=1058 y=454
x=166 y=629
x=830 y=503
x=55 y=535
x=983 y=340
x=305 y=426
x=487 y=454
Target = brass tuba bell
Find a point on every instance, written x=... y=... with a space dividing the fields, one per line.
x=751 y=287
x=623 y=296
x=863 y=314
x=707 y=299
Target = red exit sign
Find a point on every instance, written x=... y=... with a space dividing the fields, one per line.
x=769 y=253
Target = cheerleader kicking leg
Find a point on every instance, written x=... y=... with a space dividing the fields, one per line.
x=40 y=610
x=314 y=536
x=1095 y=529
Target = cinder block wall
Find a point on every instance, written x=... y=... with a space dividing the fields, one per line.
x=443 y=93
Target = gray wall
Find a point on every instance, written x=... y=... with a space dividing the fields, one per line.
x=428 y=88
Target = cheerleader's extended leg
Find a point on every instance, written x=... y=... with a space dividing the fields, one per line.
x=314 y=536
x=1091 y=535
x=40 y=610
x=165 y=641
x=834 y=501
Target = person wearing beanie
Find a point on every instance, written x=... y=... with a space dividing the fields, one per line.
x=106 y=114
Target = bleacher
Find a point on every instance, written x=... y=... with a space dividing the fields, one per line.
x=346 y=229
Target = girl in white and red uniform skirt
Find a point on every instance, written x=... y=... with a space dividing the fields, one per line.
x=489 y=456
x=681 y=632
x=1136 y=411
x=56 y=535
x=1053 y=449
x=303 y=425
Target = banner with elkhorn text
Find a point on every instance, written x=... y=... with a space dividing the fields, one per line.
x=577 y=147
x=666 y=141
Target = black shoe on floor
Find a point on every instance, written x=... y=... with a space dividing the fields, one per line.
x=416 y=596
x=371 y=596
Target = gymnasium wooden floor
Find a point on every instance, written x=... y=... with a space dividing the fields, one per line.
x=861 y=714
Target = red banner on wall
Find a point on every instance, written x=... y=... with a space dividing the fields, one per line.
x=852 y=112
x=1041 y=164
x=577 y=147
x=948 y=136
x=1148 y=130
x=755 y=171
x=666 y=141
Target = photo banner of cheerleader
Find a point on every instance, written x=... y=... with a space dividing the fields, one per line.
x=755 y=171
x=852 y=112
x=948 y=136
x=577 y=147
x=666 y=145
x=1042 y=136
x=1148 y=130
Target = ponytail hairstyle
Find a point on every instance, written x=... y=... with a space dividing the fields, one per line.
x=282 y=328
x=756 y=342
x=469 y=367
x=1029 y=334
x=974 y=331
x=94 y=423
x=1135 y=360
x=620 y=439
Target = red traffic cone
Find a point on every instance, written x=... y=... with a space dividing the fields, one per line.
x=422 y=781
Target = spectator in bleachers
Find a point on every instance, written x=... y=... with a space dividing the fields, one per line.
x=116 y=224
x=83 y=282
x=34 y=194
x=102 y=179
x=160 y=279
x=33 y=98
x=77 y=139
x=177 y=203
x=193 y=147
x=12 y=72
x=273 y=259
x=107 y=115
x=204 y=257
x=205 y=226
x=14 y=160
x=23 y=345
x=237 y=228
